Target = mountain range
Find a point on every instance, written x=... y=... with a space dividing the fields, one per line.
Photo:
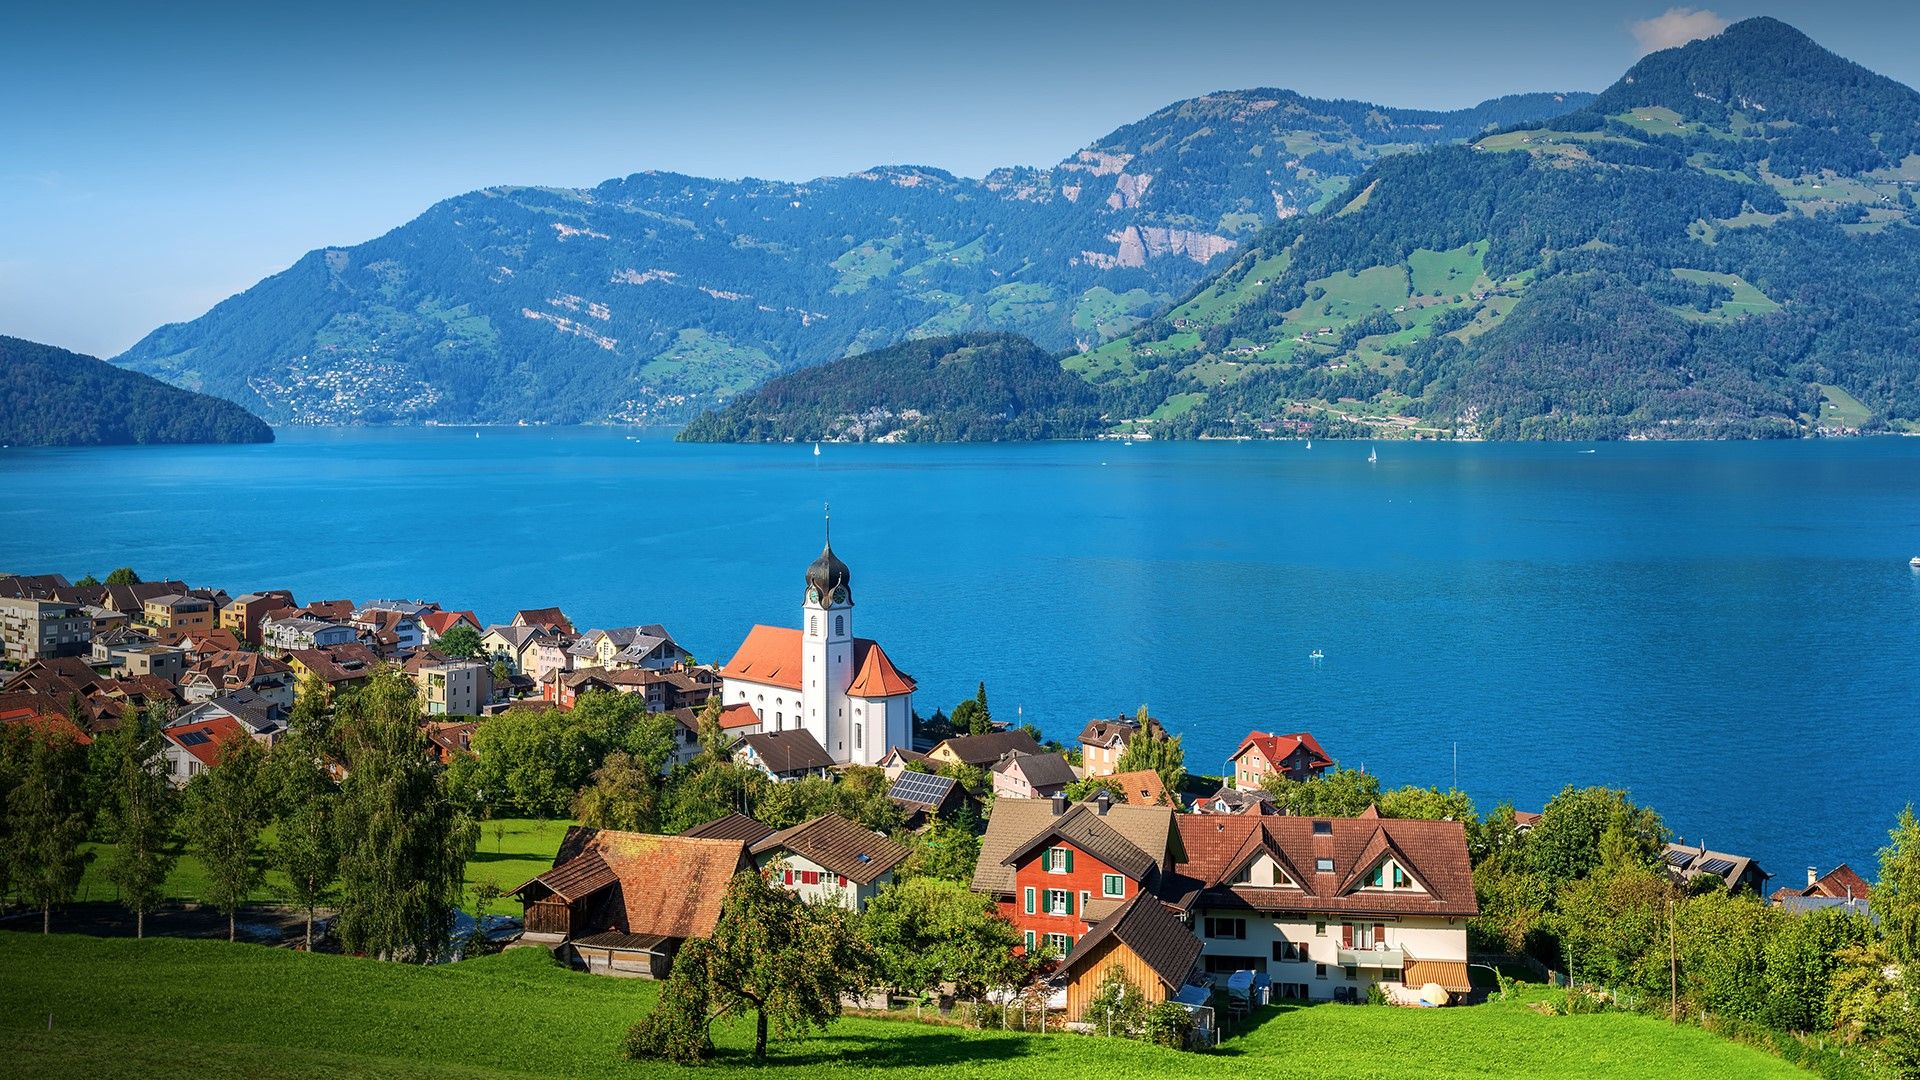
x=52 y=397
x=649 y=298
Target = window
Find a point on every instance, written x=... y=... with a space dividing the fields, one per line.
x=839 y=625
x=1113 y=885
x=1287 y=950
x=1323 y=866
x=1060 y=943
x=856 y=736
x=809 y=877
x=1059 y=860
x=1400 y=878
x=1319 y=929
x=1235 y=929
x=1217 y=964
x=1319 y=971
x=1323 y=828
x=1085 y=896
x=813 y=626
x=787 y=877
x=1029 y=937
x=1373 y=878
x=1244 y=877
x=1059 y=902
x=1029 y=906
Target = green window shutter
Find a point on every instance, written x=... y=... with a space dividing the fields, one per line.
x=1069 y=895
x=1029 y=899
x=1029 y=940
x=1069 y=852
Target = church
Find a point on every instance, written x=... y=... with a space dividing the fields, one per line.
x=840 y=689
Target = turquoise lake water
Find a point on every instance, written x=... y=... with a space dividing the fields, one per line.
x=1731 y=630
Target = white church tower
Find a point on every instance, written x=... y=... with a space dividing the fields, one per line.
x=827 y=653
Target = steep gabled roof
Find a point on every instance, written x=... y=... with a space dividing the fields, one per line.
x=547 y=618
x=1840 y=881
x=844 y=847
x=1016 y=823
x=991 y=747
x=1434 y=852
x=1108 y=733
x=769 y=655
x=1085 y=828
x=439 y=622
x=734 y=826
x=1143 y=925
x=1143 y=787
x=1278 y=747
x=874 y=675
x=1040 y=770
x=788 y=751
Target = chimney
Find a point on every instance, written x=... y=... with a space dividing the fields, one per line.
x=1813 y=877
x=1059 y=804
x=1102 y=801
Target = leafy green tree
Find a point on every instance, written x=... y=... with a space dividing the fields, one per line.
x=1168 y=1024
x=87 y=582
x=1335 y=793
x=123 y=576
x=1722 y=941
x=305 y=801
x=711 y=787
x=1514 y=907
x=927 y=932
x=976 y=780
x=972 y=717
x=139 y=816
x=1572 y=838
x=857 y=793
x=1896 y=896
x=226 y=810
x=1865 y=1000
x=459 y=642
x=534 y=762
x=625 y=794
x=46 y=820
x=1801 y=959
x=312 y=714
x=1430 y=804
x=1117 y=1007
x=787 y=961
x=404 y=843
x=1087 y=787
x=1152 y=748
x=944 y=849
x=1613 y=927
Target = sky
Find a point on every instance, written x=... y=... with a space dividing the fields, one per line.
x=155 y=159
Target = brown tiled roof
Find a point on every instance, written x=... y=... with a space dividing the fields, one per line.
x=442 y=621
x=1085 y=828
x=1278 y=747
x=1015 y=823
x=1142 y=924
x=991 y=747
x=671 y=886
x=738 y=715
x=735 y=826
x=1041 y=770
x=578 y=879
x=770 y=655
x=788 y=751
x=874 y=675
x=1840 y=881
x=1143 y=787
x=1108 y=733
x=551 y=619
x=841 y=846
x=338 y=663
x=1434 y=852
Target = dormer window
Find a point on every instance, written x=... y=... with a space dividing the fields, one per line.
x=1323 y=828
x=1323 y=866
x=1373 y=878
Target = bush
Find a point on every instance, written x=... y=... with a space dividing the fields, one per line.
x=1168 y=1024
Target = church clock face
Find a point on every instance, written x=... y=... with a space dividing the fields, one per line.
x=840 y=595
x=813 y=596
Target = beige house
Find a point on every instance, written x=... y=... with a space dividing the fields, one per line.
x=454 y=687
x=1102 y=742
x=43 y=629
x=515 y=646
x=179 y=611
x=165 y=661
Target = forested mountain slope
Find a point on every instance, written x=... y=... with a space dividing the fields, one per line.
x=648 y=298
x=52 y=397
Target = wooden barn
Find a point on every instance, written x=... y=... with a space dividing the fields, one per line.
x=1155 y=950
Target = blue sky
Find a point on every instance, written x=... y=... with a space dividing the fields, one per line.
x=155 y=159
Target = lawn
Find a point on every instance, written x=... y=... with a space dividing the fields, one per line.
x=162 y=1008
x=1840 y=408
x=1746 y=300
x=510 y=851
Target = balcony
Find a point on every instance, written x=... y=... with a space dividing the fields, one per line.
x=1371 y=958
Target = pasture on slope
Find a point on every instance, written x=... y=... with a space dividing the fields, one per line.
x=164 y=1008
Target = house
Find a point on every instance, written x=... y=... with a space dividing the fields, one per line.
x=830 y=860
x=179 y=611
x=549 y=620
x=1032 y=776
x=130 y=600
x=44 y=722
x=226 y=672
x=1103 y=741
x=844 y=691
x=1525 y=820
x=897 y=759
x=512 y=645
x=1327 y=907
x=784 y=755
x=242 y=617
x=335 y=611
x=649 y=647
x=338 y=666
x=161 y=661
x=1687 y=862
x=36 y=587
x=449 y=740
x=105 y=619
x=621 y=903
x=924 y=796
x=983 y=751
x=264 y=720
x=1054 y=868
x=1841 y=882
x=554 y=652
x=1142 y=787
x=1260 y=755
x=1235 y=801
x=435 y=624
x=283 y=632
x=192 y=749
x=203 y=642
x=1145 y=941
x=454 y=687
x=32 y=629
x=734 y=826
x=393 y=633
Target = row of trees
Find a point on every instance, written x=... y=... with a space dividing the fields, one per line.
x=386 y=843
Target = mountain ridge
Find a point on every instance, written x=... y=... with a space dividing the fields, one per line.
x=50 y=396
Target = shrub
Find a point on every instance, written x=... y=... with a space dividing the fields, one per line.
x=1168 y=1024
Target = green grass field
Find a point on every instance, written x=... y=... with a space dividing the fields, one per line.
x=1746 y=300
x=510 y=851
x=164 y=1008
x=1841 y=408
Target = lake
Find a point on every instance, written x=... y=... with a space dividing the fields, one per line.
x=1730 y=630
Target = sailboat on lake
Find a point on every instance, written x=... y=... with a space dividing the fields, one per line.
x=1373 y=455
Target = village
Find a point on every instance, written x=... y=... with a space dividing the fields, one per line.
x=1101 y=871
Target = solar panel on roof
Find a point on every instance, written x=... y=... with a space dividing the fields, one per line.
x=1679 y=858
x=193 y=738
x=924 y=788
x=1716 y=866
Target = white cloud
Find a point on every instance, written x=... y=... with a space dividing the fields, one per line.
x=1676 y=27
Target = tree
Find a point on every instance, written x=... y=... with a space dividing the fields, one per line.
x=403 y=842
x=624 y=795
x=226 y=808
x=1613 y=926
x=710 y=787
x=787 y=961
x=1087 y=787
x=312 y=713
x=944 y=849
x=1896 y=896
x=1866 y=1003
x=1117 y=1006
x=1152 y=748
x=1802 y=957
x=308 y=849
x=927 y=932
x=46 y=820
x=972 y=717
x=534 y=762
x=459 y=642
x=1722 y=941
x=1429 y=804
x=1336 y=793
x=975 y=780
x=138 y=816
x=87 y=582
x=123 y=576
x=1581 y=827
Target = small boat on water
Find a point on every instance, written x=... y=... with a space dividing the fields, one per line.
x=1316 y=655
x=1373 y=455
x=1914 y=562
x=1309 y=444
x=816 y=449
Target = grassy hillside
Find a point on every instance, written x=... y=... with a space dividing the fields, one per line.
x=52 y=397
x=163 y=1008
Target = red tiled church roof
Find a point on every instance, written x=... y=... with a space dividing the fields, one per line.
x=771 y=655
